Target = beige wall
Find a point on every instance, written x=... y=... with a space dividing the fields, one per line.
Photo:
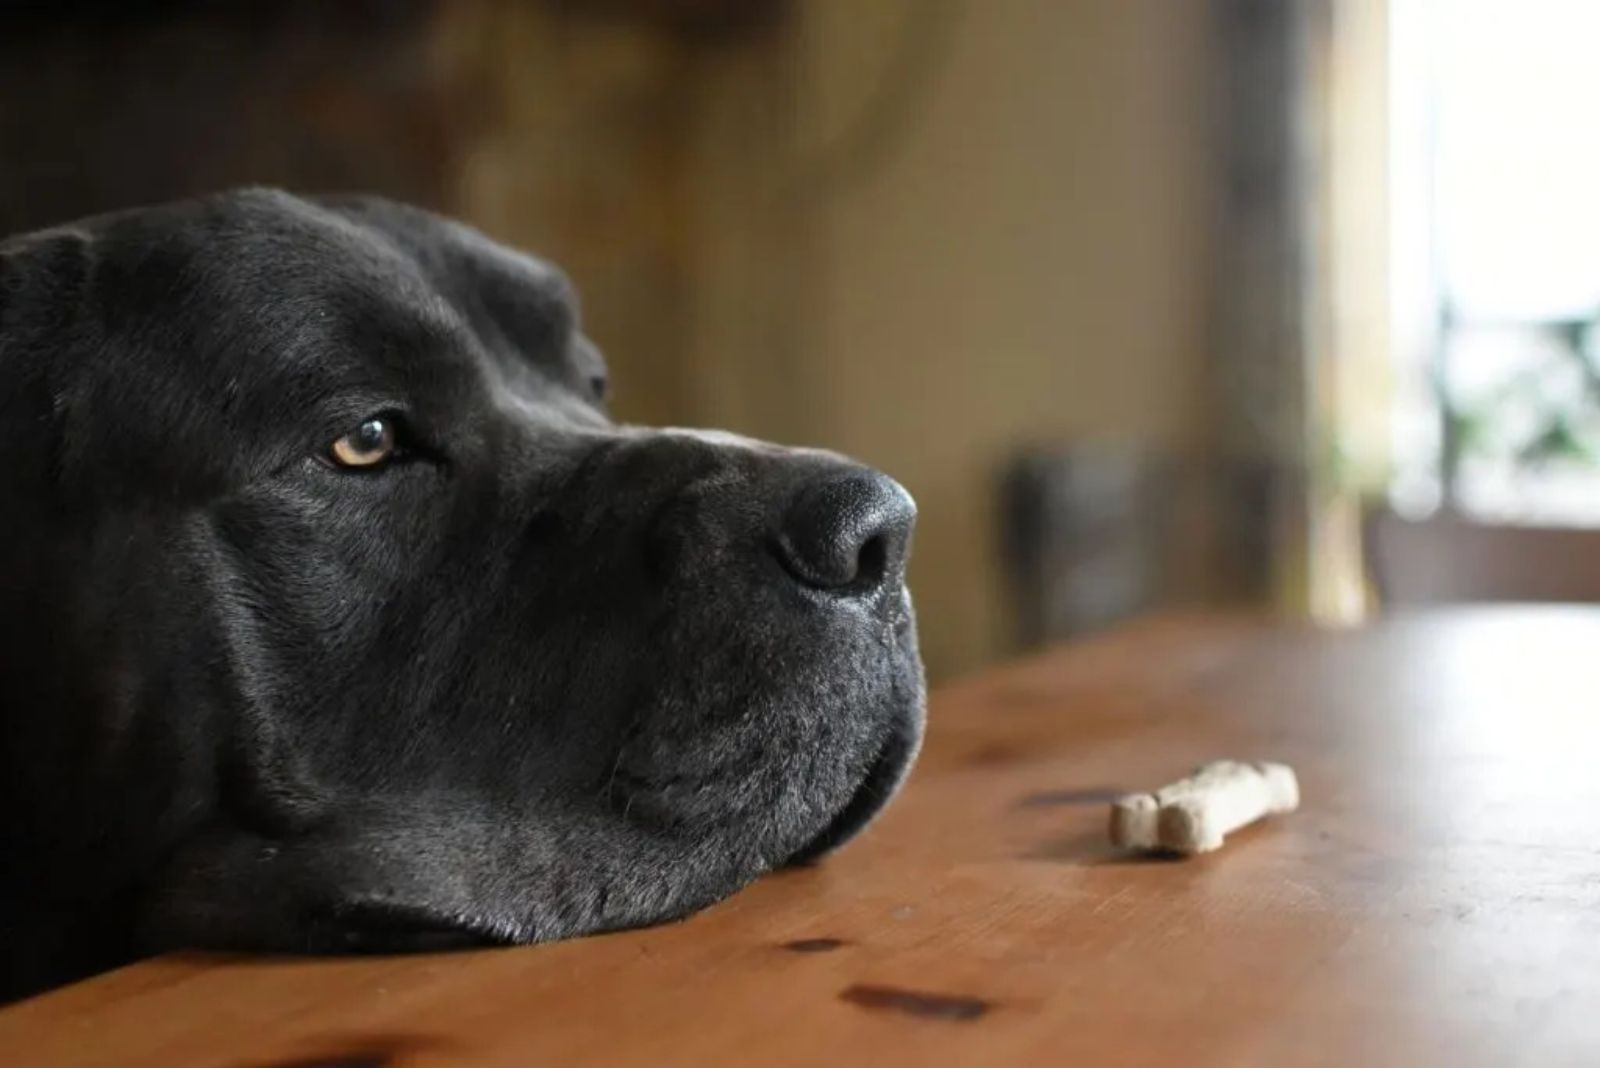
x=1027 y=264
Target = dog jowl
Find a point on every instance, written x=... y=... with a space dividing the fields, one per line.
x=336 y=614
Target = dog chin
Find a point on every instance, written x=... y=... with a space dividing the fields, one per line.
x=889 y=767
x=883 y=780
x=793 y=779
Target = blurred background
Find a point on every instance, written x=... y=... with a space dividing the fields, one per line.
x=1277 y=305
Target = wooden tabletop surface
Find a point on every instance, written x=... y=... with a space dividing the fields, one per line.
x=1435 y=901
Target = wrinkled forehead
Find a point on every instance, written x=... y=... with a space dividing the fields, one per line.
x=506 y=296
x=262 y=318
x=328 y=296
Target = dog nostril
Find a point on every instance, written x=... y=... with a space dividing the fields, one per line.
x=848 y=532
x=873 y=560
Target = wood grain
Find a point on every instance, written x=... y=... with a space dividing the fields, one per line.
x=1435 y=901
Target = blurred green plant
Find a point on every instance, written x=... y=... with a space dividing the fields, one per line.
x=1547 y=413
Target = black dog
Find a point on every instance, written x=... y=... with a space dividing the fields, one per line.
x=336 y=614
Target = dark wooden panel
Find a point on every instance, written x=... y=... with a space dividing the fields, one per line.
x=1446 y=559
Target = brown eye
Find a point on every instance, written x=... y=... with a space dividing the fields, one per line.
x=369 y=445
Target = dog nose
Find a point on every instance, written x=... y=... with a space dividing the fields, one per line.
x=848 y=533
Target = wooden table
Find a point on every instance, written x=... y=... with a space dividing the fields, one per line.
x=1435 y=901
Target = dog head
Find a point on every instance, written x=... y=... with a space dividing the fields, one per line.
x=337 y=613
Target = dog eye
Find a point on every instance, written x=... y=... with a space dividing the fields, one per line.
x=368 y=445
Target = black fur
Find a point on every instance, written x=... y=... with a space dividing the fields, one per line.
x=542 y=675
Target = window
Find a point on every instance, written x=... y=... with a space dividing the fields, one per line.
x=1495 y=264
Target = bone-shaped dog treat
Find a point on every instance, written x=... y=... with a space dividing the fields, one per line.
x=1193 y=815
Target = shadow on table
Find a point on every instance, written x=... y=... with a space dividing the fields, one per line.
x=1091 y=849
x=1082 y=848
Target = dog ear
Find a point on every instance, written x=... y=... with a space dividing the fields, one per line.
x=41 y=272
x=43 y=279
